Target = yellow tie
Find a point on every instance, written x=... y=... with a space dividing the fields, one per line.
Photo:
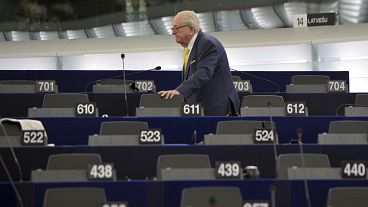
x=186 y=56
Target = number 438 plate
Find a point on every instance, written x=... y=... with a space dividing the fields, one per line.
x=103 y=171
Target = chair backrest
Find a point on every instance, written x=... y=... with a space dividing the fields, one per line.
x=361 y=100
x=242 y=126
x=72 y=161
x=236 y=78
x=11 y=128
x=122 y=127
x=70 y=197
x=309 y=79
x=182 y=161
x=347 y=196
x=263 y=101
x=285 y=161
x=64 y=100
x=155 y=100
x=17 y=82
x=348 y=127
x=211 y=196
x=114 y=82
x=14 y=132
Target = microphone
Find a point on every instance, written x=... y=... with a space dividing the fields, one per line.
x=273 y=189
x=118 y=76
x=135 y=88
x=260 y=78
x=299 y=134
x=269 y=105
x=124 y=80
x=195 y=137
x=306 y=189
x=212 y=202
x=155 y=68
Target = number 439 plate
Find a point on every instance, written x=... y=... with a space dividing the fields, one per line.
x=228 y=169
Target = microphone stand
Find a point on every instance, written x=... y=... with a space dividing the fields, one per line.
x=305 y=182
x=124 y=81
x=118 y=76
x=261 y=78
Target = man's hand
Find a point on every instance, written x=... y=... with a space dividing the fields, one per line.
x=168 y=94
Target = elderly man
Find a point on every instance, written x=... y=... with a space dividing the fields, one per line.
x=206 y=73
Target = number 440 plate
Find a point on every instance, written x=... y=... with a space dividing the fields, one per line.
x=354 y=169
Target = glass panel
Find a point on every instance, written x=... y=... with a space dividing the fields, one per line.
x=346 y=56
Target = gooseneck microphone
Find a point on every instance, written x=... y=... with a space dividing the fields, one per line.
x=273 y=189
x=306 y=188
x=118 y=76
x=124 y=81
x=155 y=68
x=260 y=78
x=299 y=134
x=195 y=137
x=212 y=202
x=276 y=140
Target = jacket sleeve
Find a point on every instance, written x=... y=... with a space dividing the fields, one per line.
x=206 y=64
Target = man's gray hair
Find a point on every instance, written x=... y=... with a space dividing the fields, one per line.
x=190 y=18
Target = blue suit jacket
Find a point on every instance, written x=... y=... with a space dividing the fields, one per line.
x=208 y=79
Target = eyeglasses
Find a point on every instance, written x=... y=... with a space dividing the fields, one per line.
x=175 y=29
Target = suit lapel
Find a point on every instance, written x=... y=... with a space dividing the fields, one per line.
x=192 y=55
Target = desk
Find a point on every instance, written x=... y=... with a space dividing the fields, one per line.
x=168 y=194
x=77 y=80
x=179 y=130
x=16 y=105
x=139 y=162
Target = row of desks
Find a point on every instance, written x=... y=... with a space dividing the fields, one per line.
x=182 y=130
x=82 y=80
x=16 y=105
x=168 y=194
x=139 y=162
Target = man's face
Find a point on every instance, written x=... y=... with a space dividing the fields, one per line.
x=182 y=32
